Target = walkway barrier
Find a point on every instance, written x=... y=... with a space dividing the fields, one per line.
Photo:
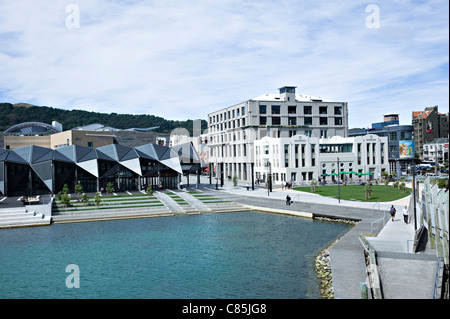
x=373 y=207
x=372 y=268
x=378 y=220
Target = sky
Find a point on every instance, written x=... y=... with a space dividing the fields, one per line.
x=181 y=59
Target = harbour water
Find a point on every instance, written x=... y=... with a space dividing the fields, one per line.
x=228 y=255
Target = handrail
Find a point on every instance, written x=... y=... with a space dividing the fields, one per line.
x=373 y=206
x=375 y=221
x=372 y=268
x=436 y=278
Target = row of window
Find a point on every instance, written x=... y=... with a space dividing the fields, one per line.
x=231 y=114
x=292 y=109
x=307 y=120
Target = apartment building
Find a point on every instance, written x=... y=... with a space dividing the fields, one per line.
x=428 y=125
x=233 y=130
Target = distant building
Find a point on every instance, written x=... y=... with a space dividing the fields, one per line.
x=394 y=132
x=302 y=158
x=428 y=125
x=436 y=151
x=30 y=133
x=93 y=135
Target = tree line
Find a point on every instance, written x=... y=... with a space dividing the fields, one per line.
x=11 y=115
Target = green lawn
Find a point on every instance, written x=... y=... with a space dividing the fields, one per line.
x=380 y=193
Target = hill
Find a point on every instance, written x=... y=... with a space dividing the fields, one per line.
x=11 y=114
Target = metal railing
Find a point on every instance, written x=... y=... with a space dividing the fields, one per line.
x=378 y=220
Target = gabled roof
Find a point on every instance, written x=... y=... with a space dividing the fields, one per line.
x=421 y=114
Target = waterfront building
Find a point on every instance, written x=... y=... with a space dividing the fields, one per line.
x=33 y=170
x=428 y=125
x=232 y=131
x=395 y=133
x=301 y=158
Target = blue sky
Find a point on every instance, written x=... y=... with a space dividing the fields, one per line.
x=183 y=59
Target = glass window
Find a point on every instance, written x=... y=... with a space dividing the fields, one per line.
x=323 y=109
x=338 y=121
x=276 y=109
x=393 y=136
x=308 y=120
x=276 y=120
x=323 y=120
x=307 y=109
x=243 y=110
x=262 y=109
x=262 y=120
x=292 y=121
x=338 y=110
x=292 y=109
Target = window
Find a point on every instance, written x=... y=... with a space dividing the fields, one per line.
x=323 y=109
x=338 y=110
x=90 y=144
x=292 y=121
x=276 y=120
x=292 y=109
x=393 y=136
x=338 y=121
x=276 y=109
x=243 y=110
x=307 y=109
x=262 y=109
x=308 y=120
x=323 y=120
x=323 y=133
x=262 y=120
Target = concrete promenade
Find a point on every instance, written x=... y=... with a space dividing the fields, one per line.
x=403 y=274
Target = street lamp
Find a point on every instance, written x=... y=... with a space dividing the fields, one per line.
x=339 y=177
x=269 y=178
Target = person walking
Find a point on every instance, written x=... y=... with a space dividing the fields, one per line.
x=288 y=200
x=393 y=211
x=405 y=212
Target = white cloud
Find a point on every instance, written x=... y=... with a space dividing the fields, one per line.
x=183 y=59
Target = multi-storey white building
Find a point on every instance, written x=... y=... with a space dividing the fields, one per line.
x=302 y=158
x=233 y=130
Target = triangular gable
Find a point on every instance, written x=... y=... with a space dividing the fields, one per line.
x=173 y=163
x=90 y=166
x=131 y=154
x=148 y=150
x=44 y=170
x=133 y=165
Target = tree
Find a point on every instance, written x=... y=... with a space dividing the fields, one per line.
x=79 y=189
x=235 y=180
x=149 y=190
x=109 y=188
x=65 y=200
x=313 y=185
x=85 y=198
x=97 y=199
x=368 y=190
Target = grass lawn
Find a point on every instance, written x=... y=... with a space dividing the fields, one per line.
x=380 y=193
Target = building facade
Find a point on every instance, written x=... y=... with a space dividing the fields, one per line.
x=436 y=151
x=232 y=131
x=35 y=170
x=428 y=125
x=30 y=133
x=395 y=133
x=301 y=158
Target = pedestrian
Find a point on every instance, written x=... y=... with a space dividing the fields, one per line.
x=181 y=185
x=288 y=200
x=282 y=186
x=248 y=186
x=393 y=211
x=405 y=212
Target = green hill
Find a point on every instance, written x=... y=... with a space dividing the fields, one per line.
x=11 y=114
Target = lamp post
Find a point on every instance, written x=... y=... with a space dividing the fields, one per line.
x=269 y=178
x=339 y=178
